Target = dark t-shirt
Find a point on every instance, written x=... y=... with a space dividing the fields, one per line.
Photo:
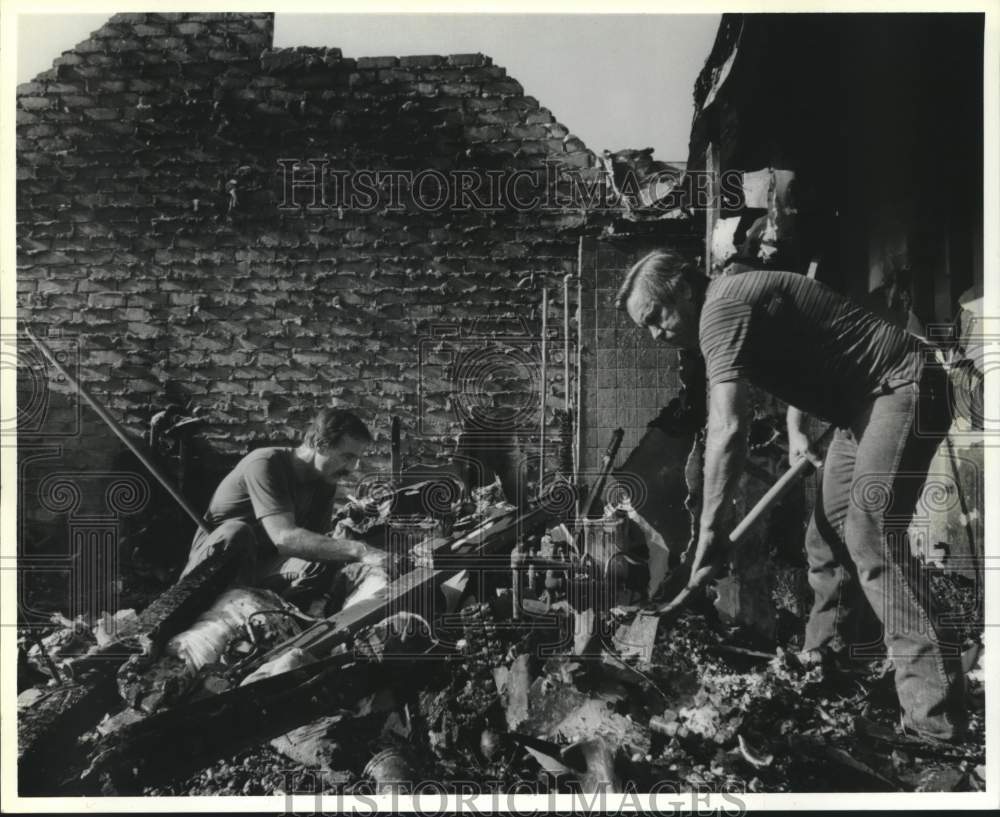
x=804 y=343
x=263 y=483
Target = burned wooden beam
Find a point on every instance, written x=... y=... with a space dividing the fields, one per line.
x=47 y=731
x=134 y=755
x=414 y=589
x=186 y=738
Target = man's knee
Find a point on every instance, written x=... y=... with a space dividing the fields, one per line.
x=233 y=534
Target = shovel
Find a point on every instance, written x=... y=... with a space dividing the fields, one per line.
x=642 y=634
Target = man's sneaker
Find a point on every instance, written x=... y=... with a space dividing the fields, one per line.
x=910 y=739
x=834 y=661
x=956 y=738
x=811 y=658
x=827 y=659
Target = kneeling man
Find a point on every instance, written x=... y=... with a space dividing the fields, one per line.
x=276 y=504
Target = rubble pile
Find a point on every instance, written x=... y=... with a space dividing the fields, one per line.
x=527 y=681
x=777 y=724
x=701 y=716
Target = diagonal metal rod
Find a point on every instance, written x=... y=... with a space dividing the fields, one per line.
x=119 y=432
x=544 y=389
x=607 y=463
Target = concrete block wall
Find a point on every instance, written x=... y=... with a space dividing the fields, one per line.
x=628 y=377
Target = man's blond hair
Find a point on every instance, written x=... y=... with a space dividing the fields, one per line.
x=658 y=276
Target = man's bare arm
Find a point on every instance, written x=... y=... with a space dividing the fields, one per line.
x=725 y=454
x=293 y=540
x=725 y=451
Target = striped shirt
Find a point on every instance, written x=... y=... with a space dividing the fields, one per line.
x=804 y=343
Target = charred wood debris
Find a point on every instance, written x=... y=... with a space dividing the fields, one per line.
x=507 y=650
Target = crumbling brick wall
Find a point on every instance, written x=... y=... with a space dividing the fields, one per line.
x=151 y=233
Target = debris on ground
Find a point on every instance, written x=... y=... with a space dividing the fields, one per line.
x=698 y=716
x=530 y=679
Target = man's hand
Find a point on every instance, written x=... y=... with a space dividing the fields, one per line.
x=799 y=446
x=709 y=558
x=292 y=540
x=693 y=574
x=374 y=557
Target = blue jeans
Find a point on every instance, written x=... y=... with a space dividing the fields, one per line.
x=857 y=544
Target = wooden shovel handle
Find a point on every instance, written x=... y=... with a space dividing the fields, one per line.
x=774 y=493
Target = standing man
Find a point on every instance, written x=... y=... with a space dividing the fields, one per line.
x=823 y=355
x=276 y=504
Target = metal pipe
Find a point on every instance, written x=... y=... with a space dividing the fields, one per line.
x=607 y=463
x=396 y=457
x=120 y=433
x=541 y=437
x=571 y=418
x=577 y=459
x=516 y=560
x=566 y=391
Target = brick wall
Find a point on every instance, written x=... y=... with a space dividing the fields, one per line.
x=151 y=238
x=155 y=252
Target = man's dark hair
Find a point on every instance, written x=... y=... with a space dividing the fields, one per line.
x=658 y=275
x=331 y=425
